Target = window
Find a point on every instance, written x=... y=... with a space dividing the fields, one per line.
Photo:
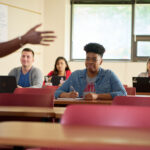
x=142 y=19
x=109 y=25
x=113 y=26
x=143 y=49
x=142 y=31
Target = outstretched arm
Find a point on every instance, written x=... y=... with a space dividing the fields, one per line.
x=31 y=37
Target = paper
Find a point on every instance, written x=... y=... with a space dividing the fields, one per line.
x=68 y=99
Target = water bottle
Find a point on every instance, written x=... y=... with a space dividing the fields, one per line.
x=61 y=80
x=46 y=81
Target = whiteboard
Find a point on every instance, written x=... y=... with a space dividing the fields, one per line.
x=3 y=23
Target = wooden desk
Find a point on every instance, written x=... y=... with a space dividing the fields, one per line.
x=58 y=136
x=143 y=93
x=66 y=102
x=59 y=111
x=42 y=112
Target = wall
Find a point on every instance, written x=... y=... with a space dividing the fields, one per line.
x=22 y=15
x=57 y=17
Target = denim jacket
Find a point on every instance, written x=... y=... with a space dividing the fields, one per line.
x=106 y=82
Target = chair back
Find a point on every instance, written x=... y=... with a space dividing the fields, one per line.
x=105 y=115
x=47 y=90
x=35 y=100
x=52 y=89
x=131 y=100
x=130 y=90
x=125 y=85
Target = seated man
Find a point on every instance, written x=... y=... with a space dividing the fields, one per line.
x=27 y=75
x=92 y=82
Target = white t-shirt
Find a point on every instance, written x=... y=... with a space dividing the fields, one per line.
x=90 y=88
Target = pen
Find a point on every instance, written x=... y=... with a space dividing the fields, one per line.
x=72 y=88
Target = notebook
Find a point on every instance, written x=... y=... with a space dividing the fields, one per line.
x=142 y=84
x=7 y=84
x=68 y=99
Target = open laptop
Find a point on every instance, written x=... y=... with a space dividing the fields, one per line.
x=56 y=80
x=7 y=84
x=142 y=84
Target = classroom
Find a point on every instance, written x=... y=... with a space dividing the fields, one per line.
x=44 y=118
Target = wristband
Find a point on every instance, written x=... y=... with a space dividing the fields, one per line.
x=20 y=39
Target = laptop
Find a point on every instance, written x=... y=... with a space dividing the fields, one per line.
x=7 y=84
x=142 y=84
x=56 y=80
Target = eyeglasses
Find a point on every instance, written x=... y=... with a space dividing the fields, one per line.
x=92 y=59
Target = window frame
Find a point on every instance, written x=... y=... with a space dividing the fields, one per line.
x=134 y=38
x=140 y=38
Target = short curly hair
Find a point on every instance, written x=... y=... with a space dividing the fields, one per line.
x=95 y=48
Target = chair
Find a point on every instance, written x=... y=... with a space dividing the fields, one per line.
x=40 y=100
x=130 y=90
x=104 y=115
x=131 y=100
x=46 y=90
x=51 y=88
x=125 y=85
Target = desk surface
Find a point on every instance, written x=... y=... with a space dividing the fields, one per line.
x=59 y=111
x=67 y=102
x=31 y=111
x=58 y=136
x=143 y=93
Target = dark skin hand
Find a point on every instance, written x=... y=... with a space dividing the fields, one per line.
x=30 y=37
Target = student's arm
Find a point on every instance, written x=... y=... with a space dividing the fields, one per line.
x=12 y=72
x=36 y=78
x=63 y=91
x=94 y=96
x=117 y=89
x=72 y=94
x=31 y=37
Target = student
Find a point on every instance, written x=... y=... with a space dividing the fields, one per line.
x=147 y=73
x=27 y=75
x=31 y=37
x=92 y=82
x=60 y=73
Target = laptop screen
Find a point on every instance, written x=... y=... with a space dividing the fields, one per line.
x=142 y=84
x=7 y=84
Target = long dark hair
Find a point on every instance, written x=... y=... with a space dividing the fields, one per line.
x=55 y=68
